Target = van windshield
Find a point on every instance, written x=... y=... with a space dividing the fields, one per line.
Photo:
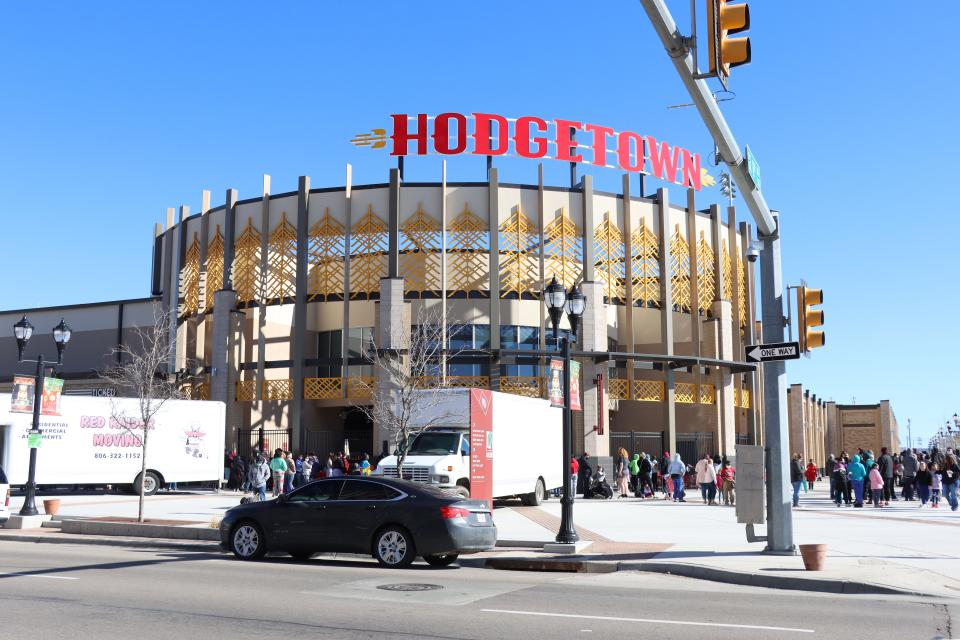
x=435 y=444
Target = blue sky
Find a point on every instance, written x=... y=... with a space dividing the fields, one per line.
x=114 y=111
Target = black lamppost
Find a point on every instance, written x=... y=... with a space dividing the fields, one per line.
x=23 y=331
x=558 y=301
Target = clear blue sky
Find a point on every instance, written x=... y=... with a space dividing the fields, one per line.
x=114 y=111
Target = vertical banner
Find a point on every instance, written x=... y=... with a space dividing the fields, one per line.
x=481 y=445
x=555 y=383
x=575 y=386
x=21 y=397
x=50 y=400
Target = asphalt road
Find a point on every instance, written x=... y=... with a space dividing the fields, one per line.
x=86 y=593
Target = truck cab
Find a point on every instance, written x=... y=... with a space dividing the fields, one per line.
x=439 y=456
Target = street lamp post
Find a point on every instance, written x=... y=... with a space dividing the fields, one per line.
x=23 y=331
x=574 y=303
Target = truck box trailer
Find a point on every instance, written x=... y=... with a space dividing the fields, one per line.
x=485 y=444
x=87 y=444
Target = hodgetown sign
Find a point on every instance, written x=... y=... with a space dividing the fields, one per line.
x=533 y=137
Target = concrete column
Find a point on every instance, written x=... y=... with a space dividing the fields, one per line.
x=726 y=409
x=178 y=331
x=666 y=318
x=345 y=333
x=229 y=237
x=543 y=276
x=261 y=309
x=445 y=339
x=201 y=320
x=716 y=238
x=630 y=343
x=586 y=184
x=493 y=204
x=692 y=243
x=735 y=254
x=392 y=332
x=593 y=337
x=795 y=420
x=223 y=366
x=300 y=349
x=834 y=441
x=393 y=222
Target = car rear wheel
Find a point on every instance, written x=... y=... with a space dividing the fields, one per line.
x=393 y=547
x=441 y=561
x=537 y=497
x=247 y=541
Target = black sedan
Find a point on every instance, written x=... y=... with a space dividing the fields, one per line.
x=394 y=520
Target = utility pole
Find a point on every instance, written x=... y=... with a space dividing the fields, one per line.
x=779 y=515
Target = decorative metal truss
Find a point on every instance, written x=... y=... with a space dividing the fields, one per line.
x=608 y=251
x=214 y=268
x=281 y=275
x=468 y=264
x=246 y=265
x=420 y=253
x=519 y=257
x=680 y=270
x=706 y=276
x=190 y=279
x=562 y=250
x=326 y=252
x=368 y=260
x=645 y=265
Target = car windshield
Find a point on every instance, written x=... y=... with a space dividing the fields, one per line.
x=435 y=444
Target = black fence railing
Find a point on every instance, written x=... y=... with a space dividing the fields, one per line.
x=263 y=440
x=650 y=442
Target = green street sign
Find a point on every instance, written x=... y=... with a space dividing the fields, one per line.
x=33 y=440
x=753 y=168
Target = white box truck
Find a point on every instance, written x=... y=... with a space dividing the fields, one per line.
x=86 y=444
x=485 y=444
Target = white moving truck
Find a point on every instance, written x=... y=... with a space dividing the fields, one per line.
x=486 y=444
x=85 y=444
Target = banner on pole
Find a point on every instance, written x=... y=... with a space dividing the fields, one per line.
x=21 y=399
x=575 y=386
x=555 y=383
x=50 y=400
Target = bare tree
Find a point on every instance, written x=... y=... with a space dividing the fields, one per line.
x=412 y=376
x=142 y=372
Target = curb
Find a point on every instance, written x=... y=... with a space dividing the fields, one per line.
x=146 y=543
x=701 y=572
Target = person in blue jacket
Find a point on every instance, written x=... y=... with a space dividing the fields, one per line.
x=857 y=473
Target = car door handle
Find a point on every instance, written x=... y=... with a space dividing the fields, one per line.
x=371 y=507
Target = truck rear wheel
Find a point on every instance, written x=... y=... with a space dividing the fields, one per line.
x=151 y=484
x=462 y=491
x=537 y=497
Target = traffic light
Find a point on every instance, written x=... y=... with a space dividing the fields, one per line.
x=809 y=317
x=723 y=20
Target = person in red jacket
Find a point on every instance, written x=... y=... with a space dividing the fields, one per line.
x=574 y=470
x=810 y=473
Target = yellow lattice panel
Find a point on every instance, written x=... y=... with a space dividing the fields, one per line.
x=369 y=244
x=519 y=259
x=618 y=389
x=707 y=394
x=468 y=247
x=246 y=264
x=214 y=267
x=609 y=259
x=680 y=269
x=420 y=253
x=563 y=250
x=190 y=279
x=706 y=276
x=742 y=291
x=529 y=386
x=327 y=247
x=282 y=261
x=648 y=390
x=685 y=393
x=744 y=399
x=281 y=389
x=468 y=382
x=645 y=264
x=727 y=274
x=246 y=390
x=360 y=387
x=322 y=388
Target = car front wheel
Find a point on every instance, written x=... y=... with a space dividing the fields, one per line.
x=393 y=547
x=441 y=561
x=247 y=541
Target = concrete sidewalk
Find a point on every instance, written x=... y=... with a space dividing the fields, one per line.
x=896 y=549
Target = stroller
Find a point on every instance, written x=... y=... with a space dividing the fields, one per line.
x=599 y=488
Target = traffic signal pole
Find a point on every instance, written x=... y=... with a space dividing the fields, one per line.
x=779 y=516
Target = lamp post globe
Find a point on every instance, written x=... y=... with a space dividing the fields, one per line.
x=22 y=331
x=575 y=305
x=555 y=297
x=61 y=336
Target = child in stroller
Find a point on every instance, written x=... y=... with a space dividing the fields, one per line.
x=599 y=488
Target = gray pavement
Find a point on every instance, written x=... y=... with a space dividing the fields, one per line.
x=107 y=592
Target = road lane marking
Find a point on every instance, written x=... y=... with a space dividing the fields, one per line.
x=34 y=575
x=651 y=620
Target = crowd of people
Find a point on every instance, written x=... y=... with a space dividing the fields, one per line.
x=644 y=476
x=862 y=477
x=284 y=471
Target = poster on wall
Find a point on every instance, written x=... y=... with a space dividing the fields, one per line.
x=50 y=400
x=21 y=399
x=481 y=445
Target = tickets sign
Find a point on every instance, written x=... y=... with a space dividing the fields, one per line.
x=533 y=137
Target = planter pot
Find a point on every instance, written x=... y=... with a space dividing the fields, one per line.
x=814 y=556
x=51 y=506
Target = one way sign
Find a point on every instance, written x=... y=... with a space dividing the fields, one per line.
x=776 y=351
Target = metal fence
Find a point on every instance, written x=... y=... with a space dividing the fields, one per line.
x=263 y=440
x=322 y=442
x=692 y=446
x=650 y=442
